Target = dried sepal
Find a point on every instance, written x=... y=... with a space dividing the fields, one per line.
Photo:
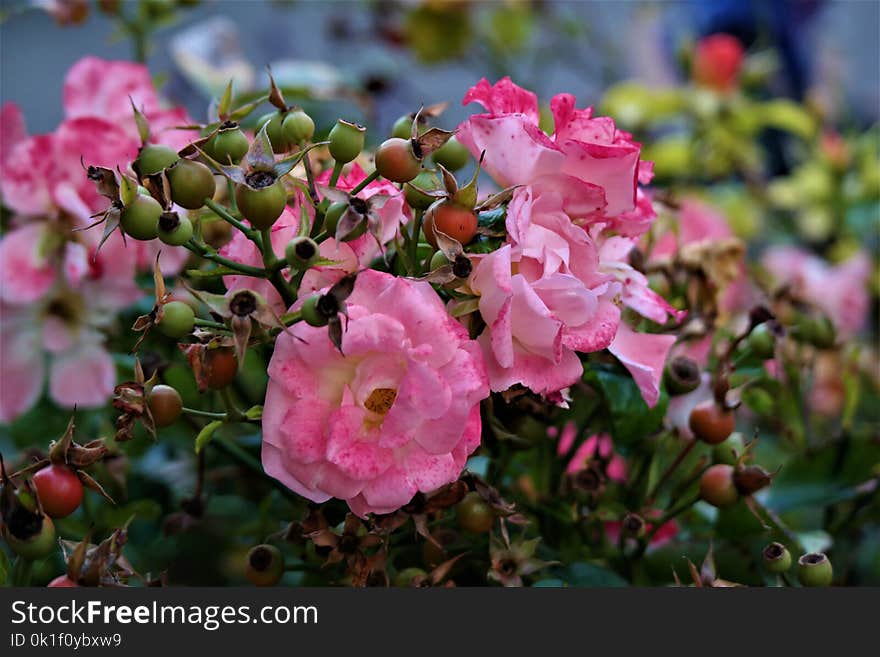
x=497 y=199
x=105 y=180
x=144 y=323
x=276 y=98
x=430 y=141
x=89 y=482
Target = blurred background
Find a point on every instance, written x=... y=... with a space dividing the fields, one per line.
x=392 y=56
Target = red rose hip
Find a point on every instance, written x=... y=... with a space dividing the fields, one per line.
x=59 y=489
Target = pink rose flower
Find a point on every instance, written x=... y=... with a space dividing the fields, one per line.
x=840 y=291
x=396 y=414
x=550 y=292
x=60 y=331
x=644 y=356
x=101 y=88
x=542 y=297
x=42 y=176
x=587 y=159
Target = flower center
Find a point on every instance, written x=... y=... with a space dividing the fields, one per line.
x=380 y=400
x=67 y=308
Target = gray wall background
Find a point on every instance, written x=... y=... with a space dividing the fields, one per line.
x=619 y=40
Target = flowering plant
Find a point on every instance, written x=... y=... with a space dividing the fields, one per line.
x=502 y=333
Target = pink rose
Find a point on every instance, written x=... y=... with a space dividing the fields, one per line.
x=60 y=331
x=840 y=291
x=644 y=355
x=614 y=260
x=101 y=88
x=697 y=222
x=588 y=160
x=396 y=414
x=542 y=297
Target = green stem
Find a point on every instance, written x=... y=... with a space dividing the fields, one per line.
x=230 y=192
x=243 y=458
x=196 y=412
x=205 y=252
x=337 y=171
x=414 y=245
x=21 y=573
x=207 y=323
x=233 y=413
x=363 y=183
x=224 y=214
x=672 y=467
x=270 y=262
x=310 y=177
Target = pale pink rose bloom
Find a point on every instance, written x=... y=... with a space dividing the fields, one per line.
x=697 y=222
x=96 y=87
x=542 y=297
x=587 y=159
x=840 y=291
x=614 y=260
x=397 y=412
x=61 y=332
x=644 y=355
